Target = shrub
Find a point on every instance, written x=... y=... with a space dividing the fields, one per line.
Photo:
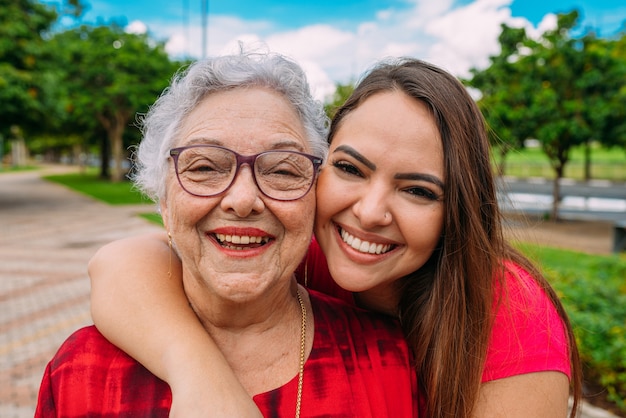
x=593 y=291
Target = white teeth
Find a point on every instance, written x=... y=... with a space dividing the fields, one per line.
x=241 y=239
x=364 y=246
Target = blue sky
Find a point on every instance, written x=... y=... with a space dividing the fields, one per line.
x=335 y=41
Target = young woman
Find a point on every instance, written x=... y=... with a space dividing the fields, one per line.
x=407 y=218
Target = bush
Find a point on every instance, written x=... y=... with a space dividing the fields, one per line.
x=593 y=291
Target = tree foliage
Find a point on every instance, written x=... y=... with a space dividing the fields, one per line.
x=342 y=92
x=109 y=76
x=23 y=24
x=505 y=108
x=562 y=90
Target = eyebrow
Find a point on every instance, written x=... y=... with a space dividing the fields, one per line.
x=400 y=176
x=420 y=176
x=356 y=155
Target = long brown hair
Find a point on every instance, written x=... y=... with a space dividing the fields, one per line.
x=446 y=307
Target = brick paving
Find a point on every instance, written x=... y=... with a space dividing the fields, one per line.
x=47 y=235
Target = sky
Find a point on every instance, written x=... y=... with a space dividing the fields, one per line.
x=336 y=41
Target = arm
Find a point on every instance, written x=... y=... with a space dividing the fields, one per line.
x=140 y=309
x=541 y=395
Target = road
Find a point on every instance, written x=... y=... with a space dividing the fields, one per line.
x=595 y=200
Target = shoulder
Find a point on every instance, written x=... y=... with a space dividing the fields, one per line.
x=528 y=335
x=520 y=297
x=88 y=358
x=104 y=376
x=85 y=346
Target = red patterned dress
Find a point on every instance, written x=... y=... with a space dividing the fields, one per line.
x=359 y=367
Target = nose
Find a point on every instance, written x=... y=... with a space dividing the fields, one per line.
x=243 y=197
x=373 y=207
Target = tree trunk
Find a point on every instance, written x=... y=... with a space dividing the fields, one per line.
x=105 y=155
x=502 y=164
x=115 y=131
x=588 y=160
x=556 y=192
x=117 y=150
x=19 y=152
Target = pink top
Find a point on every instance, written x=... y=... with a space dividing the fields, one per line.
x=528 y=334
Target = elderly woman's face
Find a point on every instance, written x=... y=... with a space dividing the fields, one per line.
x=240 y=243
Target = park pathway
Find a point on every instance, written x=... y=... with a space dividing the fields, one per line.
x=47 y=235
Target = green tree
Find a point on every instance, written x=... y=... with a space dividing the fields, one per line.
x=558 y=104
x=23 y=24
x=505 y=87
x=563 y=91
x=342 y=92
x=605 y=88
x=108 y=77
x=25 y=94
x=604 y=93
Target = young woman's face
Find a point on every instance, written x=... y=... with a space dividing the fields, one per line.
x=380 y=194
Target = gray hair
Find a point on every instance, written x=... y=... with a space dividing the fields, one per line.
x=189 y=87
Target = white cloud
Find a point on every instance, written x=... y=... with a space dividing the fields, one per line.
x=549 y=22
x=137 y=27
x=454 y=37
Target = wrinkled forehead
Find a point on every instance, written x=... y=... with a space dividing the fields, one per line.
x=247 y=120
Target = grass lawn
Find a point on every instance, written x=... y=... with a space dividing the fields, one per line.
x=122 y=193
x=606 y=164
x=6 y=168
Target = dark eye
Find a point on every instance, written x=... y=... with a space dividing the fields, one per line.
x=347 y=168
x=202 y=167
x=422 y=192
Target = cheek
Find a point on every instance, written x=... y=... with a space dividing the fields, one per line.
x=307 y=212
x=182 y=211
x=332 y=196
x=424 y=230
x=297 y=220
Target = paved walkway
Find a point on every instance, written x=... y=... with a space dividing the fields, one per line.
x=47 y=235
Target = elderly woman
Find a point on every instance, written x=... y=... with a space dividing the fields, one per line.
x=231 y=152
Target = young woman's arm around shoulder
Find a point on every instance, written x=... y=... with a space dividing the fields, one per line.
x=138 y=303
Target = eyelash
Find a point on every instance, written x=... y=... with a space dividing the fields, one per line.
x=415 y=191
x=347 y=168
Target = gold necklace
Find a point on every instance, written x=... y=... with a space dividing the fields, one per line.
x=302 y=349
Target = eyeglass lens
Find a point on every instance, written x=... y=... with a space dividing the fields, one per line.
x=209 y=170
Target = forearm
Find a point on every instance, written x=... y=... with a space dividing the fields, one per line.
x=138 y=303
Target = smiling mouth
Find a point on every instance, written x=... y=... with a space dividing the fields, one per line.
x=364 y=246
x=240 y=242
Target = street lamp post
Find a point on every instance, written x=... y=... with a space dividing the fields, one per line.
x=205 y=17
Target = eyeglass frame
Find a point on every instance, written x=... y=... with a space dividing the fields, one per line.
x=250 y=160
